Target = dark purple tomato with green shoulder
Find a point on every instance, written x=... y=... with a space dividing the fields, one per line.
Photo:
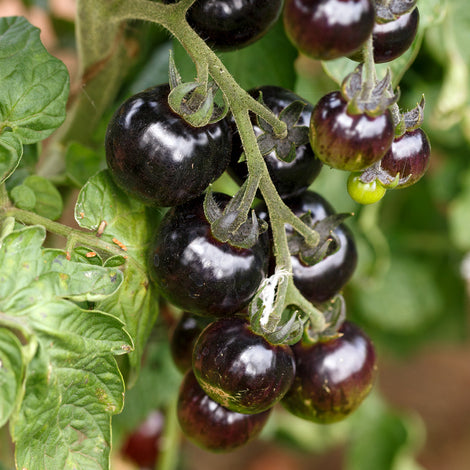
x=350 y=142
x=210 y=425
x=323 y=280
x=183 y=339
x=143 y=445
x=408 y=157
x=157 y=157
x=198 y=273
x=393 y=38
x=289 y=178
x=227 y=25
x=239 y=369
x=328 y=29
x=332 y=378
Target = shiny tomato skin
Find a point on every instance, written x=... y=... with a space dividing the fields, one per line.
x=321 y=281
x=350 y=142
x=332 y=378
x=239 y=369
x=157 y=157
x=408 y=156
x=328 y=29
x=198 y=273
x=210 y=425
x=228 y=25
x=393 y=38
x=289 y=178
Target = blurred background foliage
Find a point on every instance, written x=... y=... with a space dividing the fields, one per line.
x=409 y=292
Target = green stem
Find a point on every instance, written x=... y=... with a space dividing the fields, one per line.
x=369 y=74
x=173 y=18
x=368 y=222
x=30 y=218
x=168 y=459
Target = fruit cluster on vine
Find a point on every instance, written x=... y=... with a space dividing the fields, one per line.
x=258 y=276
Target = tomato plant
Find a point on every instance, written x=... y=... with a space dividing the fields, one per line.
x=139 y=276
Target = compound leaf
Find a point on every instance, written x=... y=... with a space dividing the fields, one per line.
x=64 y=422
x=71 y=384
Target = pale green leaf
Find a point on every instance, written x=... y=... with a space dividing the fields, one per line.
x=11 y=373
x=124 y=220
x=23 y=197
x=136 y=303
x=35 y=85
x=64 y=421
x=73 y=384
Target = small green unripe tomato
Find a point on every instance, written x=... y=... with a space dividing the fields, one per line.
x=365 y=193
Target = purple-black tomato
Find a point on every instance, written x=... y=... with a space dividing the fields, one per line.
x=408 y=157
x=328 y=29
x=227 y=25
x=392 y=39
x=321 y=281
x=210 y=425
x=157 y=157
x=239 y=369
x=332 y=378
x=197 y=272
x=345 y=141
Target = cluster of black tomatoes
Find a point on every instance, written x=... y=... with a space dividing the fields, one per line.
x=234 y=376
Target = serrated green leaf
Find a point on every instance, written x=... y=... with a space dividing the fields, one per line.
x=66 y=326
x=136 y=303
x=127 y=221
x=30 y=274
x=115 y=261
x=48 y=199
x=34 y=91
x=35 y=85
x=86 y=255
x=73 y=384
x=11 y=373
x=64 y=421
x=124 y=218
